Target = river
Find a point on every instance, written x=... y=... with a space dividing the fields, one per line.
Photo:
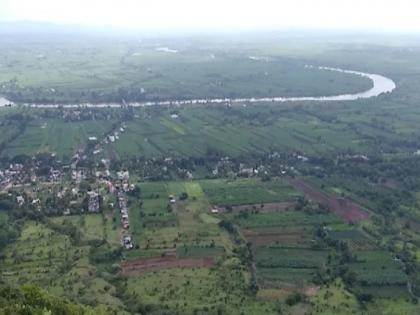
x=380 y=85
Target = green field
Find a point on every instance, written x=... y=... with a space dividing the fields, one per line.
x=247 y=191
x=186 y=224
x=102 y=69
x=55 y=136
x=268 y=247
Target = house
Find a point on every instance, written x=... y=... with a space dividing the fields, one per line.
x=20 y=200
x=215 y=211
x=93 y=139
x=172 y=199
x=93 y=203
x=127 y=243
x=123 y=175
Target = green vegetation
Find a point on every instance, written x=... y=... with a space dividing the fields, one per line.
x=55 y=136
x=33 y=300
x=106 y=69
x=303 y=208
x=243 y=191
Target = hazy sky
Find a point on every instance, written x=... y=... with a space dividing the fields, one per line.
x=220 y=14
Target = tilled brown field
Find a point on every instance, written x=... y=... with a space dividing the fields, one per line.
x=157 y=263
x=348 y=210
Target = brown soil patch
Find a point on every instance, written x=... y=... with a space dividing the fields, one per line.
x=347 y=209
x=159 y=263
x=311 y=291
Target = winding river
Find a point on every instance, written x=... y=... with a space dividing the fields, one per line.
x=381 y=85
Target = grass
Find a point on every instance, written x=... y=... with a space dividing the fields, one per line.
x=199 y=289
x=93 y=227
x=47 y=258
x=334 y=299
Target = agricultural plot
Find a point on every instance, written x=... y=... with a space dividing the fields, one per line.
x=346 y=209
x=355 y=238
x=379 y=274
x=182 y=228
x=289 y=236
x=93 y=227
x=55 y=136
x=288 y=268
x=101 y=69
x=247 y=191
x=233 y=132
x=272 y=257
x=282 y=247
x=283 y=219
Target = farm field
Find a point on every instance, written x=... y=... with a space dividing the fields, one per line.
x=185 y=226
x=231 y=131
x=248 y=191
x=379 y=273
x=209 y=209
x=104 y=70
x=55 y=136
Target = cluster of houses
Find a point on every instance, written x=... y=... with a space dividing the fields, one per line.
x=11 y=174
x=126 y=240
x=114 y=136
x=78 y=176
x=55 y=175
x=93 y=203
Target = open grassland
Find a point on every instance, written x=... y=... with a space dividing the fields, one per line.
x=199 y=290
x=50 y=259
x=94 y=227
x=335 y=299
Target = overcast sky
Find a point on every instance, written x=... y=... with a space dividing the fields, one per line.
x=387 y=15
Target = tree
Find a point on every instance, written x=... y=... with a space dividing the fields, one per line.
x=184 y=196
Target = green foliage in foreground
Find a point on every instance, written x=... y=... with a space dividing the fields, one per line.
x=33 y=300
